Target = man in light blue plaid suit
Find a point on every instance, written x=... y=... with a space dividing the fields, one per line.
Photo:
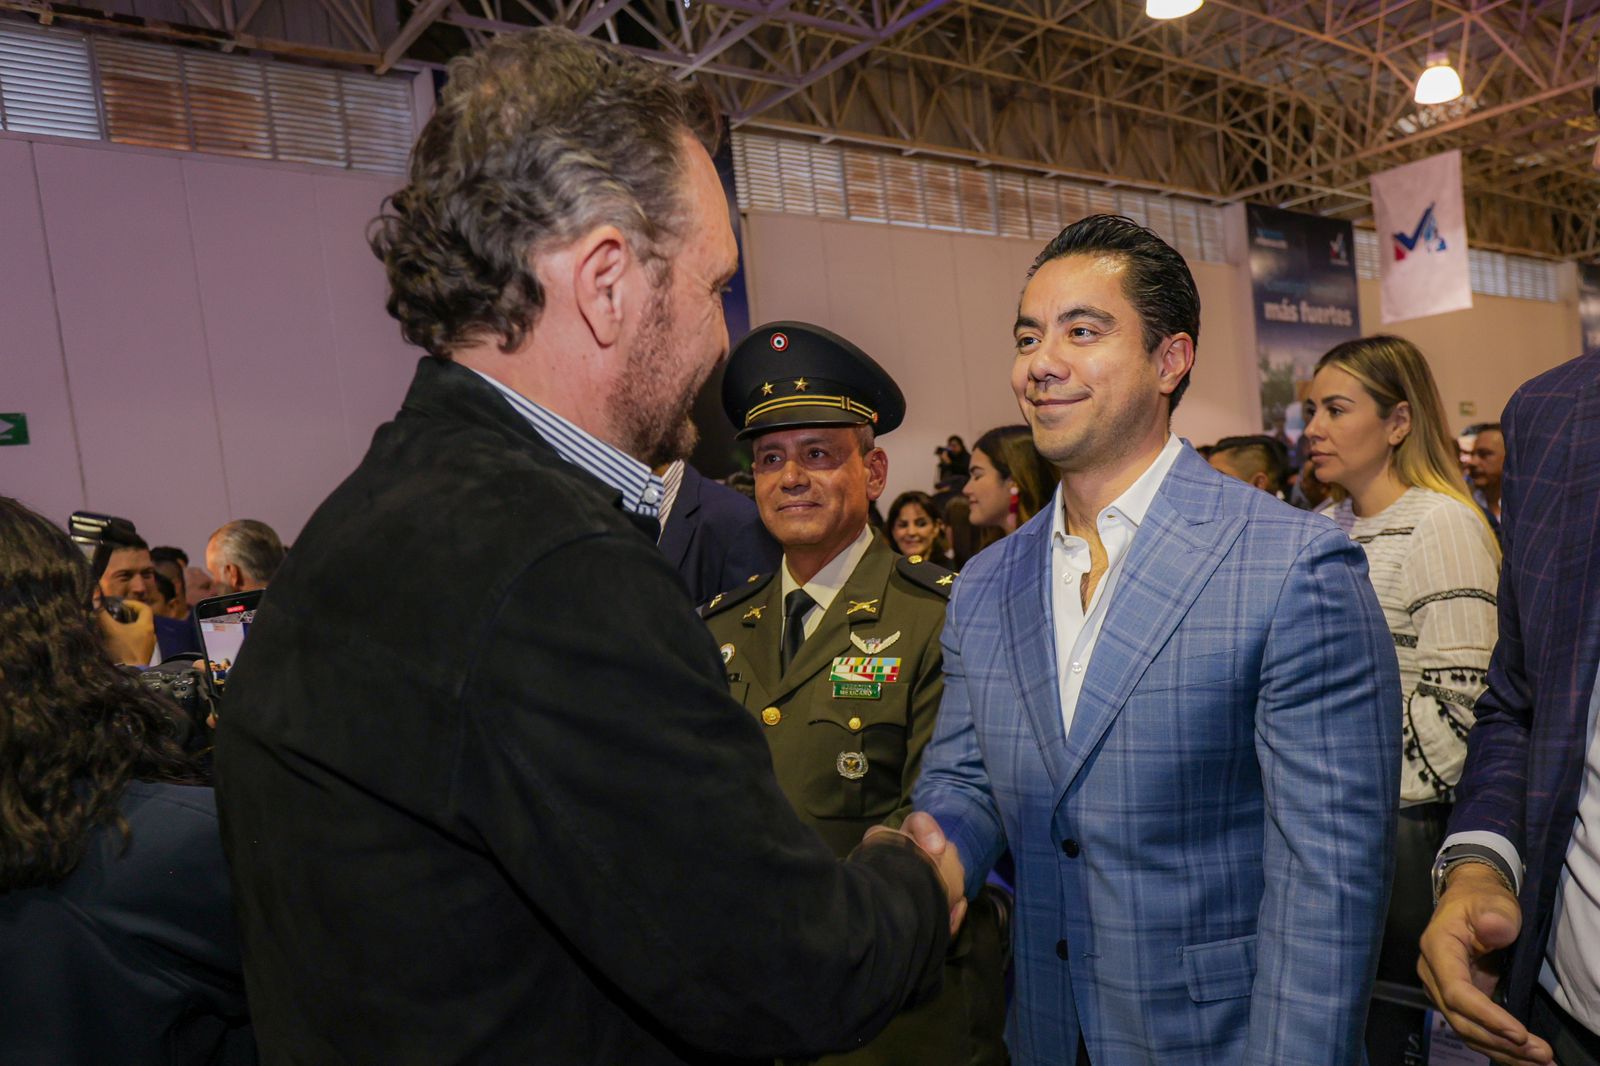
x=1175 y=700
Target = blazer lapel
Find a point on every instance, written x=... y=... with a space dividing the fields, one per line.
x=860 y=601
x=1027 y=632
x=677 y=536
x=1177 y=548
x=1579 y=568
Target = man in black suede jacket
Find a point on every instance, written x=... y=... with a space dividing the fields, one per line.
x=523 y=821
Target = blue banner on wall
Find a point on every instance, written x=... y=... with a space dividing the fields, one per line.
x=1303 y=285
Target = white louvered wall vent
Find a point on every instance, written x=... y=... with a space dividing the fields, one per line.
x=106 y=88
x=799 y=177
x=1492 y=273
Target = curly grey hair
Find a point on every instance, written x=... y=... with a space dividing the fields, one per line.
x=538 y=138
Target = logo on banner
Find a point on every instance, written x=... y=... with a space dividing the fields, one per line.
x=1338 y=252
x=1426 y=236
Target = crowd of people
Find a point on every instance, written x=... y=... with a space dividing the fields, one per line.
x=1104 y=750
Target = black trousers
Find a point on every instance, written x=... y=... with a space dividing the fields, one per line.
x=1573 y=1044
x=1419 y=832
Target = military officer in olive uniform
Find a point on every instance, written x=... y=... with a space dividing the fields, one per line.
x=837 y=654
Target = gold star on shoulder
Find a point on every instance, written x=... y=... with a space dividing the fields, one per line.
x=766 y=388
x=715 y=600
x=799 y=384
x=946 y=581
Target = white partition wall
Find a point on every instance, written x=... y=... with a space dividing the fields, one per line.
x=192 y=338
x=936 y=309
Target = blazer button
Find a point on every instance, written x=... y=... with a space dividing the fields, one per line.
x=1070 y=846
x=772 y=716
x=1061 y=950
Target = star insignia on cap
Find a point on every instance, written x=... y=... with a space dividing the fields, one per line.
x=947 y=580
x=799 y=384
x=766 y=388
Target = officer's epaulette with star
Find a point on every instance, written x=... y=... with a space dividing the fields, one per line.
x=723 y=600
x=931 y=576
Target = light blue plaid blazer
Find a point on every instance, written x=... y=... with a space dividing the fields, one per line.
x=1203 y=865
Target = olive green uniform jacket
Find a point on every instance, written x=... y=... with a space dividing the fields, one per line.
x=847 y=751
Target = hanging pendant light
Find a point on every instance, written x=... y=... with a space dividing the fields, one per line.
x=1171 y=9
x=1439 y=83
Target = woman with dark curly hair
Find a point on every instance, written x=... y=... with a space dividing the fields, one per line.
x=116 y=927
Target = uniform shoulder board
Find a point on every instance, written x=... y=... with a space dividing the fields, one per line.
x=723 y=600
x=930 y=576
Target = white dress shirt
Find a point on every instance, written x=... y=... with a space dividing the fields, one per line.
x=1077 y=629
x=824 y=587
x=1571 y=970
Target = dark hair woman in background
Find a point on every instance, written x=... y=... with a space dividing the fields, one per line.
x=116 y=928
x=1009 y=481
x=915 y=529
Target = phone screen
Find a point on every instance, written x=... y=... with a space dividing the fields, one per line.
x=222 y=633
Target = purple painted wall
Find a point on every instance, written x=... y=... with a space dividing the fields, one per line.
x=193 y=339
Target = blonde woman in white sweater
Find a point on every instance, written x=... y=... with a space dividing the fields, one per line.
x=1378 y=436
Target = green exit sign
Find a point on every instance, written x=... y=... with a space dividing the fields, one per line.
x=13 y=428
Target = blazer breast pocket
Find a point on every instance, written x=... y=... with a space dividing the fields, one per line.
x=1193 y=671
x=1222 y=969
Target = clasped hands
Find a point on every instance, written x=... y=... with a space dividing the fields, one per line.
x=924 y=831
x=1476 y=916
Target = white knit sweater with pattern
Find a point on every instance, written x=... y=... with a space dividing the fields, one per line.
x=1435 y=568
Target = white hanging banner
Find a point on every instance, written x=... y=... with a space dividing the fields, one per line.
x=1422 y=238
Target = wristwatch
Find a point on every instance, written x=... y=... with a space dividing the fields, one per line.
x=1460 y=854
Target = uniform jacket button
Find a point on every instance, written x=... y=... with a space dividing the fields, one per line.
x=1061 y=950
x=1070 y=846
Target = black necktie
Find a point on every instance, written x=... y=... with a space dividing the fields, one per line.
x=795 y=606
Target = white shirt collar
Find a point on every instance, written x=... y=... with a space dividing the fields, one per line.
x=826 y=584
x=1120 y=518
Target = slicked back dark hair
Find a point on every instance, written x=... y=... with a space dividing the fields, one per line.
x=539 y=137
x=1157 y=281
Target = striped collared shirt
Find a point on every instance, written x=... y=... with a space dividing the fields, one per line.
x=641 y=490
x=672 y=481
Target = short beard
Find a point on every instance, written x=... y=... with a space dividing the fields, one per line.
x=655 y=412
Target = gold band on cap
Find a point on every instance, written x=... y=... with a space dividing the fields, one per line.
x=844 y=403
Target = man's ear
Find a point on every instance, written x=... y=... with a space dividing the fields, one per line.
x=1259 y=480
x=1175 y=358
x=877 y=461
x=233 y=576
x=600 y=263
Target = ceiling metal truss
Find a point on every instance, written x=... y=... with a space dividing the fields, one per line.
x=1290 y=102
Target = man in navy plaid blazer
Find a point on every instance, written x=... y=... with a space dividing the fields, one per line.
x=1518 y=859
x=1175 y=700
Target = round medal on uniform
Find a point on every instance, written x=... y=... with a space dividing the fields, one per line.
x=852 y=765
